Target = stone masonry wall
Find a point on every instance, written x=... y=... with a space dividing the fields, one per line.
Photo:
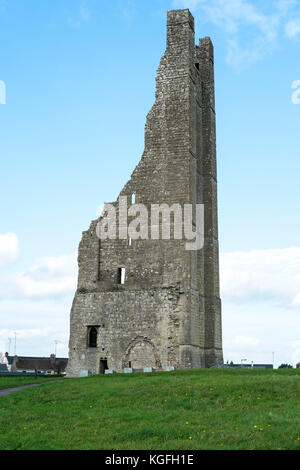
x=168 y=312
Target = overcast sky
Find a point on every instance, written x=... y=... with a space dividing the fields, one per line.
x=80 y=80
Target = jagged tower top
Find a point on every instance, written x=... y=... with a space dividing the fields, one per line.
x=180 y=17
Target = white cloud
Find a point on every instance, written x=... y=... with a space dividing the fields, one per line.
x=285 y=6
x=22 y=334
x=242 y=347
x=50 y=277
x=250 y=31
x=43 y=338
x=84 y=11
x=254 y=330
x=292 y=28
x=295 y=356
x=83 y=16
x=3 y=6
x=51 y=281
x=262 y=275
x=232 y=14
x=100 y=210
x=9 y=249
x=246 y=341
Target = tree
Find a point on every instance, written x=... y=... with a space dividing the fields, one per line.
x=285 y=366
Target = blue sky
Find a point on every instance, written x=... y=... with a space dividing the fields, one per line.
x=80 y=79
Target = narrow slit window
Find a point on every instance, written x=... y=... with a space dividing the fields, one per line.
x=197 y=65
x=130 y=241
x=121 y=276
x=133 y=199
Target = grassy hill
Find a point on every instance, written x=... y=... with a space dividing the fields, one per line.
x=182 y=410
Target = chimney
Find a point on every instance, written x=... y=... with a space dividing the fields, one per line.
x=52 y=359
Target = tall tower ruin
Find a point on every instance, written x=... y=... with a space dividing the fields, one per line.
x=153 y=303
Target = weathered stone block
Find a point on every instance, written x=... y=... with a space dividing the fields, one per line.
x=84 y=373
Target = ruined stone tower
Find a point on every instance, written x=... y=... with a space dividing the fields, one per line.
x=153 y=303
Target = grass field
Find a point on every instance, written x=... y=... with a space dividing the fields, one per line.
x=182 y=410
x=19 y=381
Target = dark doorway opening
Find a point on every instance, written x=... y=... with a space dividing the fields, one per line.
x=103 y=366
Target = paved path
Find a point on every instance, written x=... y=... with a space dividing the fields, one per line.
x=8 y=391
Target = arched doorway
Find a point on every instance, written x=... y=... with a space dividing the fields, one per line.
x=141 y=353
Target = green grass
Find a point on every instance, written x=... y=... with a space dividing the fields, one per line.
x=20 y=380
x=182 y=410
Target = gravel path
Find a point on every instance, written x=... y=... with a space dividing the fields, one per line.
x=8 y=391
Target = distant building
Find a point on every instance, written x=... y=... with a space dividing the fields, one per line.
x=3 y=368
x=247 y=366
x=43 y=365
